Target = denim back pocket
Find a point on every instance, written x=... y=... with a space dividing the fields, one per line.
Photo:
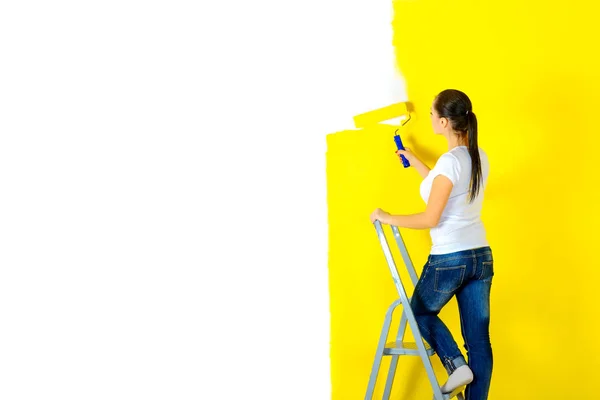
x=487 y=270
x=449 y=279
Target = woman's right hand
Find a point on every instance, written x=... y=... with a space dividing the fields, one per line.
x=408 y=154
x=419 y=165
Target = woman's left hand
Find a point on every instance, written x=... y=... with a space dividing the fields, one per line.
x=379 y=215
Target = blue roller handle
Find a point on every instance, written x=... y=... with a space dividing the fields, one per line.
x=401 y=147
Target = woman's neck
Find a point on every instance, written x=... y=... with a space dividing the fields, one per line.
x=455 y=140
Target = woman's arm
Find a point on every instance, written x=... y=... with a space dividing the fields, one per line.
x=419 y=165
x=440 y=193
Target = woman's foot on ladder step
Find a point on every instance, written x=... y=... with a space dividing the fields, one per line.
x=460 y=377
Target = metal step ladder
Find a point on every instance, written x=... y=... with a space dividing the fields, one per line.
x=398 y=347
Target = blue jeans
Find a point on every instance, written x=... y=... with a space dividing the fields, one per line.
x=468 y=275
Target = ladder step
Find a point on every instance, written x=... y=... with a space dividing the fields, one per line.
x=405 y=348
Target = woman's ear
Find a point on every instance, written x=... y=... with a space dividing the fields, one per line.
x=444 y=122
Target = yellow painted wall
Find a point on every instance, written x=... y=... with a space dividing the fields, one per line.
x=533 y=74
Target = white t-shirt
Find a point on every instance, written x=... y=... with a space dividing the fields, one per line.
x=460 y=227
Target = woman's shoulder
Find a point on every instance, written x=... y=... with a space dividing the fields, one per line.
x=447 y=157
x=459 y=158
x=451 y=157
x=462 y=152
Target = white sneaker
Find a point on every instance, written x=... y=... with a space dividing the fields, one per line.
x=460 y=377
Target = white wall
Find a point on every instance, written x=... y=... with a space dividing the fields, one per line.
x=163 y=211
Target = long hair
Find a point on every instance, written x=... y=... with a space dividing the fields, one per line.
x=457 y=108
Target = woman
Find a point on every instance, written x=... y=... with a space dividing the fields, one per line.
x=461 y=261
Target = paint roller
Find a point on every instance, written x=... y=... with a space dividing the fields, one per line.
x=399 y=144
x=375 y=117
